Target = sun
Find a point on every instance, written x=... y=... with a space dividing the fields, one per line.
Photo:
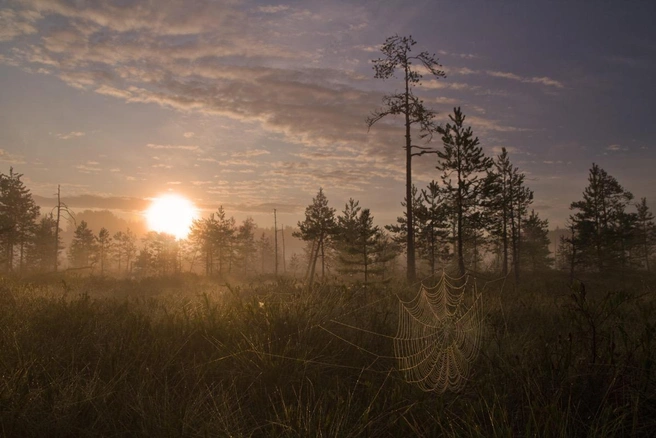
x=171 y=214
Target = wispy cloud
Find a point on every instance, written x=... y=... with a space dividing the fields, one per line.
x=173 y=147
x=89 y=167
x=458 y=55
x=10 y=158
x=251 y=153
x=72 y=134
x=529 y=80
x=616 y=148
x=272 y=9
x=434 y=84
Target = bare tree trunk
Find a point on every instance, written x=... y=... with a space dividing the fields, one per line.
x=315 y=257
x=323 y=259
x=310 y=261
x=412 y=274
x=275 y=238
x=282 y=234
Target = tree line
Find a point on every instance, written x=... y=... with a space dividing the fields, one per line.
x=481 y=204
x=473 y=219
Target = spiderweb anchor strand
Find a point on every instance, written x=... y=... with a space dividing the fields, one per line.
x=438 y=337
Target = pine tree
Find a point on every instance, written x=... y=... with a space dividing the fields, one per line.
x=507 y=199
x=201 y=236
x=41 y=249
x=399 y=230
x=645 y=233
x=600 y=221
x=345 y=236
x=294 y=264
x=397 y=56
x=499 y=203
x=317 y=228
x=265 y=249
x=432 y=227
x=245 y=248
x=357 y=241
x=520 y=198
x=216 y=238
x=104 y=246
x=125 y=249
x=462 y=162
x=223 y=239
x=159 y=254
x=83 y=247
x=535 y=243
x=18 y=215
x=387 y=250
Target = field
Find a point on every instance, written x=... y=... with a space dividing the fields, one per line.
x=188 y=356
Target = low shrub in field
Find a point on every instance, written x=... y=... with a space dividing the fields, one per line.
x=189 y=357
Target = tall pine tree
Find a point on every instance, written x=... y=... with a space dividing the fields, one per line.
x=463 y=165
x=397 y=56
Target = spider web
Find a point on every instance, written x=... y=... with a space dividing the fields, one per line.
x=438 y=338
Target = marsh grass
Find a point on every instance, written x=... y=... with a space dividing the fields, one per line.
x=186 y=356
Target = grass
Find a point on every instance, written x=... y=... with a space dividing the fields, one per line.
x=188 y=357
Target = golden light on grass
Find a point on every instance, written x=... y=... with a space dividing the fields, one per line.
x=171 y=214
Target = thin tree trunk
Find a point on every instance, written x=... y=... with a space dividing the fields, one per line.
x=505 y=228
x=323 y=259
x=314 y=260
x=275 y=238
x=56 y=254
x=412 y=275
x=310 y=261
x=282 y=234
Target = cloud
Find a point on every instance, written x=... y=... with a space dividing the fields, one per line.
x=241 y=70
x=238 y=162
x=458 y=55
x=128 y=204
x=173 y=147
x=10 y=158
x=530 y=80
x=250 y=153
x=89 y=167
x=266 y=207
x=510 y=149
x=616 y=148
x=485 y=125
x=72 y=134
x=435 y=84
x=272 y=9
x=13 y=24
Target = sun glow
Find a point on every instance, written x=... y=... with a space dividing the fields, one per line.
x=171 y=214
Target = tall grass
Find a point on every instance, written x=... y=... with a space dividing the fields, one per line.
x=189 y=357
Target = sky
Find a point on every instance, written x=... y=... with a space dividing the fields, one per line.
x=254 y=105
